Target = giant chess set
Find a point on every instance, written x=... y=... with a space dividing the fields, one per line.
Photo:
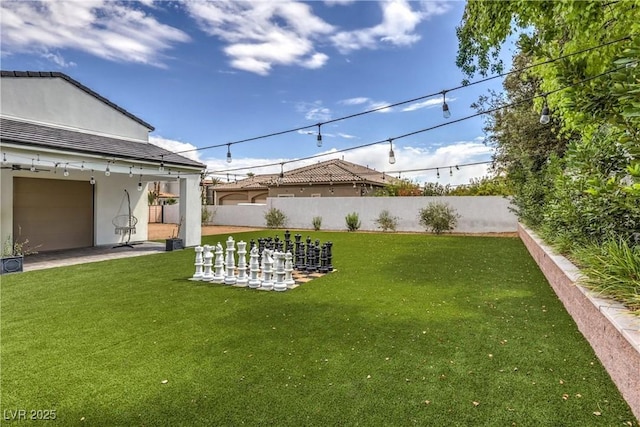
x=274 y=264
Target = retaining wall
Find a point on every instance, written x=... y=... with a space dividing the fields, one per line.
x=612 y=331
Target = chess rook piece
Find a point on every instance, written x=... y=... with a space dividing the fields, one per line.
x=329 y=256
x=323 y=259
x=199 y=264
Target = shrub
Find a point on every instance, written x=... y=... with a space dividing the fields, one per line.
x=207 y=215
x=386 y=221
x=613 y=269
x=275 y=218
x=316 y=222
x=438 y=217
x=353 y=221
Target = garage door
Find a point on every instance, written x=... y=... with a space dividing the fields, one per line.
x=53 y=214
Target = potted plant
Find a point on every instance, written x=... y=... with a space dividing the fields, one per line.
x=13 y=252
x=174 y=242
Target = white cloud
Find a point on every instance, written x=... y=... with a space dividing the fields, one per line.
x=314 y=111
x=346 y=136
x=371 y=104
x=354 y=101
x=263 y=34
x=398 y=26
x=111 y=30
x=176 y=146
x=429 y=103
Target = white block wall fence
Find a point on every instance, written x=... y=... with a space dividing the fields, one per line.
x=478 y=214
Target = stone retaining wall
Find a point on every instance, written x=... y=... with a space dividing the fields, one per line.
x=613 y=332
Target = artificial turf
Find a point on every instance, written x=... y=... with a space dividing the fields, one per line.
x=410 y=330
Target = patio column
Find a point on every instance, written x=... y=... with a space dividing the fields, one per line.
x=190 y=210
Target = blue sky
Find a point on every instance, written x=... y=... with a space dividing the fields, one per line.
x=210 y=73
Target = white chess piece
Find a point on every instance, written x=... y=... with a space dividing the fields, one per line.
x=242 y=278
x=288 y=270
x=267 y=283
x=279 y=284
x=218 y=267
x=199 y=263
x=254 y=268
x=230 y=263
x=207 y=275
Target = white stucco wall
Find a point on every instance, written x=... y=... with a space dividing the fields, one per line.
x=55 y=101
x=478 y=214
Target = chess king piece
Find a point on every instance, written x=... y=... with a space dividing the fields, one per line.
x=230 y=263
x=218 y=266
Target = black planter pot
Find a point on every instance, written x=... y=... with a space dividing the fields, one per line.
x=11 y=264
x=174 y=244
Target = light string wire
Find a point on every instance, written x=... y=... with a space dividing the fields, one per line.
x=462 y=86
x=451 y=122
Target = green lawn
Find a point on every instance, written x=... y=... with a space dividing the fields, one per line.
x=411 y=330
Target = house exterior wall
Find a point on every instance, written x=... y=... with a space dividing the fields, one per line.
x=479 y=214
x=108 y=197
x=55 y=101
x=322 y=190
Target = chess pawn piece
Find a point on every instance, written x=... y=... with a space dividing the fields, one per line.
x=207 y=275
x=267 y=283
x=288 y=270
x=218 y=266
x=199 y=264
x=242 y=278
x=254 y=268
x=279 y=284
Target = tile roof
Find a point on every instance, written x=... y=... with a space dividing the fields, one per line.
x=14 y=131
x=56 y=74
x=335 y=170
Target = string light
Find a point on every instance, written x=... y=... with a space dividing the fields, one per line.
x=545 y=117
x=107 y=171
x=319 y=137
x=66 y=171
x=92 y=181
x=33 y=166
x=450 y=171
x=130 y=171
x=228 y=153
x=4 y=158
x=140 y=183
x=445 y=108
x=161 y=168
x=438 y=173
x=392 y=156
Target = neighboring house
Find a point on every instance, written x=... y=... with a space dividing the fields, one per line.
x=68 y=155
x=331 y=178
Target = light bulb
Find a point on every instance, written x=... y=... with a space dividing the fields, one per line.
x=66 y=172
x=92 y=181
x=445 y=111
x=130 y=172
x=107 y=172
x=139 y=186
x=392 y=156
x=161 y=168
x=545 y=118
x=228 y=153
x=319 y=137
